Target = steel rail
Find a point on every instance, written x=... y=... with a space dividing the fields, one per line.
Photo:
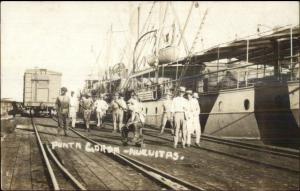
x=61 y=167
x=50 y=170
x=182 y=182
x=162 y=177
x=237 y=157
x=268 y=149
x=64 y=170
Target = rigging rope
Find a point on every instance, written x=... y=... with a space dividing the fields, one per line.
x=180 y=29
x=148 y=17
x=186 y=22
x=185 y=67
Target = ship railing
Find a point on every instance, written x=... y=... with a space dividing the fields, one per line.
x=231 y=78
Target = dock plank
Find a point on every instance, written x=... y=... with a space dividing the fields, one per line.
x=38 y=168
x=133 y=179
x=9 y=152
x=97 y=168
x=86 y=174
x=21 y=179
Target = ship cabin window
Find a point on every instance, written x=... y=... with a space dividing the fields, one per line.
x=43 y=71
x=156 y=110
x=142 y=109
x=220 y=105
x=246 y=104
x=146 y=110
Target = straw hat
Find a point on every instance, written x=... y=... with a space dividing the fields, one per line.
x=189 y=92
x=195 y=95
x=182 y=89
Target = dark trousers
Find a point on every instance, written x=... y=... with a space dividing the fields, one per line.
x=138 y=135
x=63 y=122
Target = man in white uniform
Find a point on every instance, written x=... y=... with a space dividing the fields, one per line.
x=196 y=113
x=100 y=106
x=118 y=106
x=73 y=108
x=179 y=109
x=167 y=116
x=192 y=117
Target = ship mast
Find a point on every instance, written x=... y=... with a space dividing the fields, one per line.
x=138 y=35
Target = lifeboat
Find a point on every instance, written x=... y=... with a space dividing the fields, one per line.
x=168 y=54
x=165 y=55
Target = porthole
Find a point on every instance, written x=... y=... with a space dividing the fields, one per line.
x=246 y=104
x=156 y=110
x=220 y=105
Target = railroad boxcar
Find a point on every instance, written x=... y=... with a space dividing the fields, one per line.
x=41 y=88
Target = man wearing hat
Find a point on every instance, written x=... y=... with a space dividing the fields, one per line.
x=136 y=121
x=100 y=106
x=179 y=108
x=62 y=107
x=118 y=106
x=73 y=108
x=167 y=116
x=193 y=112
x=86 y=104
x=196 y=119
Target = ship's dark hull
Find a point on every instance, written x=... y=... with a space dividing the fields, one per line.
x=267 y=112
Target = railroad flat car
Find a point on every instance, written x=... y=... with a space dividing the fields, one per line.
x=41 y=88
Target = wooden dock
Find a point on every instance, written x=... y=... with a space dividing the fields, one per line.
x=22 y=165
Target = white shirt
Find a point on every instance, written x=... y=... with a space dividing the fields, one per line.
x=179 y=104
x=195 y=106
x=167 y=104
x=137 y=110
x=121 y=103
x=134 y=105
x=101 y=105
x=73 y=101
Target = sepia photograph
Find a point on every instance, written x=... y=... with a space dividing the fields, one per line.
x=150 y=95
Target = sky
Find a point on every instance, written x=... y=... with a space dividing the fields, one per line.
x=68 y=37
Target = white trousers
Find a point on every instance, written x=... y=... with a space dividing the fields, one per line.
x=72 y=115
x=193 y=125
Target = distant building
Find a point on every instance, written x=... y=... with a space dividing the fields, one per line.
x=6 y=105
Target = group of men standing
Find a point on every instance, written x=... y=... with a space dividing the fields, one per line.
x=67 y=108
x=183 y=115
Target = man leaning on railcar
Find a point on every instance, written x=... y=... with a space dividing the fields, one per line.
x=62 y=107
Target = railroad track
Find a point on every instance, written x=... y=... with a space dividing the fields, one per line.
x=166 y=180
x=257 y=148
x=260 y=148
x=290 y=153
x=51 y=169
x=163 y=178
